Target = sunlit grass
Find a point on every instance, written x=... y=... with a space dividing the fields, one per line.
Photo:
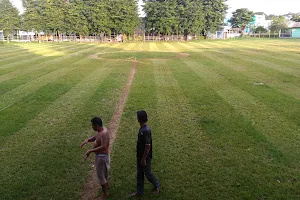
x=45 y=51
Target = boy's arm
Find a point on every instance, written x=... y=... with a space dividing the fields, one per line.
x=146 y=151
x=104 y=144
x=147 y=147
x=91 y=139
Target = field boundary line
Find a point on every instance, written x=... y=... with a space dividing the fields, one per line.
x=92 y=186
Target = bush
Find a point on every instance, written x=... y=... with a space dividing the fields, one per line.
x=260 y=29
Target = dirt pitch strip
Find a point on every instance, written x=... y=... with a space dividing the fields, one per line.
x=92 y=187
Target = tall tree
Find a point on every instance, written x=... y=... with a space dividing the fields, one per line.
x=76 y=21
x=161 y=17
x=9 y=17
x=53 y=15
x=174 y=16
x=97 y=16
x=81 y=17
x=123 y=16
x=296 y=17
x=33 y=18
x=241 y=18
x=278 y=24
x=214 y=14
x=191 y=17
x=260 y=29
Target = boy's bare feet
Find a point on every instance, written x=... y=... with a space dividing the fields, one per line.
x=155 y=191
x=103 y=197
x=135 y=195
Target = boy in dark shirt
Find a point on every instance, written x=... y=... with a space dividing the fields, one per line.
x=144 y=156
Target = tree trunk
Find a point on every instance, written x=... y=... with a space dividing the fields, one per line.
x=39 y=37
x=185 y=35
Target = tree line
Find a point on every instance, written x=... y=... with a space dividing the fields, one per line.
x=77 y=17
x=242 y=18
x=184 y=16
x=81 y=17
x=98 y=17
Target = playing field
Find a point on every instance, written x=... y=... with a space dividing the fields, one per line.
x=224 y=117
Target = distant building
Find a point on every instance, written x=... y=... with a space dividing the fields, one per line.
x=259 y=19
x=227 y=32
x=295 y=28
x=26 y=36
x=1 y=35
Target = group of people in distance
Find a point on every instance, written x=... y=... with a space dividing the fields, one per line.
x=143 y=154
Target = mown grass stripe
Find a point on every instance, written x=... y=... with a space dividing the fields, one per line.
x=173 y=103
x=22 y=77
x=171 y=47
x=129 y=47
x=153 y=46
x=24 y=89
x=29 y=68
x=161 y=46
x=42 y=49
x=23 y=48
x=287 y=51
x=286 y=82
x=7 y=54
x=45 y=127
x=146 y=46
x=10 y=48
x=142 y=96
x=26 y=98
x=277 y=56
x=249 y=106
x=200 y=47
x=232 y=136
x=203 y=90
x=33 y=59
x=281 y=57
x=277 y=94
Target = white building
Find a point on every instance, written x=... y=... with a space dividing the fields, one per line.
x=26 y=36
x=1 y=35
x=260 y=20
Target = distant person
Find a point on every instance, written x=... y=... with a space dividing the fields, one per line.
x=101 y=150
x=144 y=157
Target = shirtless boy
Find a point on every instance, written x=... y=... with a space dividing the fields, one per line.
x=101 y=150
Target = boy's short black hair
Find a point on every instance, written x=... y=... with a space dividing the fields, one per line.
x=96 y=121
x=142 y=116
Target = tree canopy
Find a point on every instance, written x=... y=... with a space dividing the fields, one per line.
x=9 y=17
x=81 y=17
x=90 y=17
x=214 y=14
x=278 y=24
x=260 y=29
x=241 y=18
x=296 y=17
x=184 y=16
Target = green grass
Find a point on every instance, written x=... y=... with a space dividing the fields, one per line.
x=138 y=55
x=224 y=117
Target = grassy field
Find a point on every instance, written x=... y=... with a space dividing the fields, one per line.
x=224 y=117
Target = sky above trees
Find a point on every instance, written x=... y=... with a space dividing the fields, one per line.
x=277 y=7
